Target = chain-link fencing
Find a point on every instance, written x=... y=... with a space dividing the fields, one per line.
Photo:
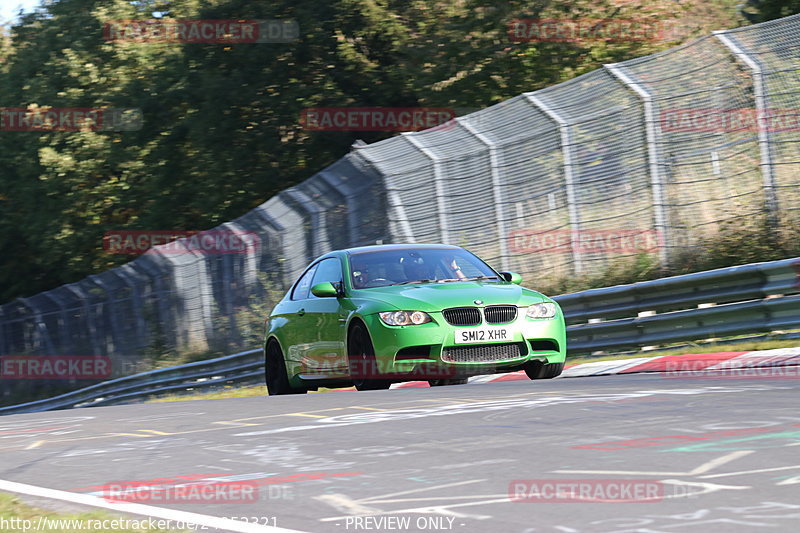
x=650 y=156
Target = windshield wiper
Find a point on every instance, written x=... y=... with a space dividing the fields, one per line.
x=445 y=280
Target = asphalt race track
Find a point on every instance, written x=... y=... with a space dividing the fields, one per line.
x=685 y=455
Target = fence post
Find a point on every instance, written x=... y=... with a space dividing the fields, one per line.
x=656 y=179
x=497 y=194
x=394 y=200
x=64 y=340
x=319 y=231
x=250 y=253
x=437 y=182
x=111 y=312
x=569 y=176
x=762 y=112
x=190 y=290
x=166 y=319
x=40 y=339
x=91 y=328
x=334 y=182
x=125 y=273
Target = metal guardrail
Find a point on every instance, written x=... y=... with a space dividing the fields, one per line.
x=747 y=299
x=754 y=298
x=236 y=368
x=757 y=316
x=723 y=285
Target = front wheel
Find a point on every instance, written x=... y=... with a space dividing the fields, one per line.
x=539 y=370
x=362 y=362
x=275 y=372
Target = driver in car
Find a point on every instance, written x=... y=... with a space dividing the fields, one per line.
x=416 y=269
x=360 y=274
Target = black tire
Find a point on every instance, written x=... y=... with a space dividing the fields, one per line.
x=361 y=360
x=275 y=372
x=443 y=382
x=539 y=370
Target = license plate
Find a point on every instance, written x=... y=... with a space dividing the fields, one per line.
x=466 y=336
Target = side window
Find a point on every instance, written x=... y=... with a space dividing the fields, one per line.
x=300 y=291
x=328 y=270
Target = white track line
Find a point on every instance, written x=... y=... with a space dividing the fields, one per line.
x=225 y=524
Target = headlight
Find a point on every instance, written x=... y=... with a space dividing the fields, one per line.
x=404 y=318
x=542 y=310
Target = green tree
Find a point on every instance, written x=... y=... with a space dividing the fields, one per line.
x=764 y=10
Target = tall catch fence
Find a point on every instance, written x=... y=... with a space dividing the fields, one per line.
x=649 y=156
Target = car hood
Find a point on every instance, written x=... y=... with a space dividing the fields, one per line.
x=436 y=296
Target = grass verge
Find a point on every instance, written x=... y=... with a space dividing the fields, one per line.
x=16 y=515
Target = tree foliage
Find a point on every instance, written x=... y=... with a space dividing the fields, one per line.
x=764 y=10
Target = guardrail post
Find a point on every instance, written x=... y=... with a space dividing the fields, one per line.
x=569 y=176
x=496 y=191
x=656 y=179
x=437 y=182
x=762 y=114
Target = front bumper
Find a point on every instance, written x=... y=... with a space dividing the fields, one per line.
x=416 y=352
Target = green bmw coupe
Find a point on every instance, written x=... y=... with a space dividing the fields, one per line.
x=375 y=315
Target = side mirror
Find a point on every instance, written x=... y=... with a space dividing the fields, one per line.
x=513 y=277
x=326 y=289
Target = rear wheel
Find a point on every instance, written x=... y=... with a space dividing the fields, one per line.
x=362 y=362
x=442 y=382
x=539 y=370
x=275 y=372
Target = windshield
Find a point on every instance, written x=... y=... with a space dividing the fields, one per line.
x=416 y=265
